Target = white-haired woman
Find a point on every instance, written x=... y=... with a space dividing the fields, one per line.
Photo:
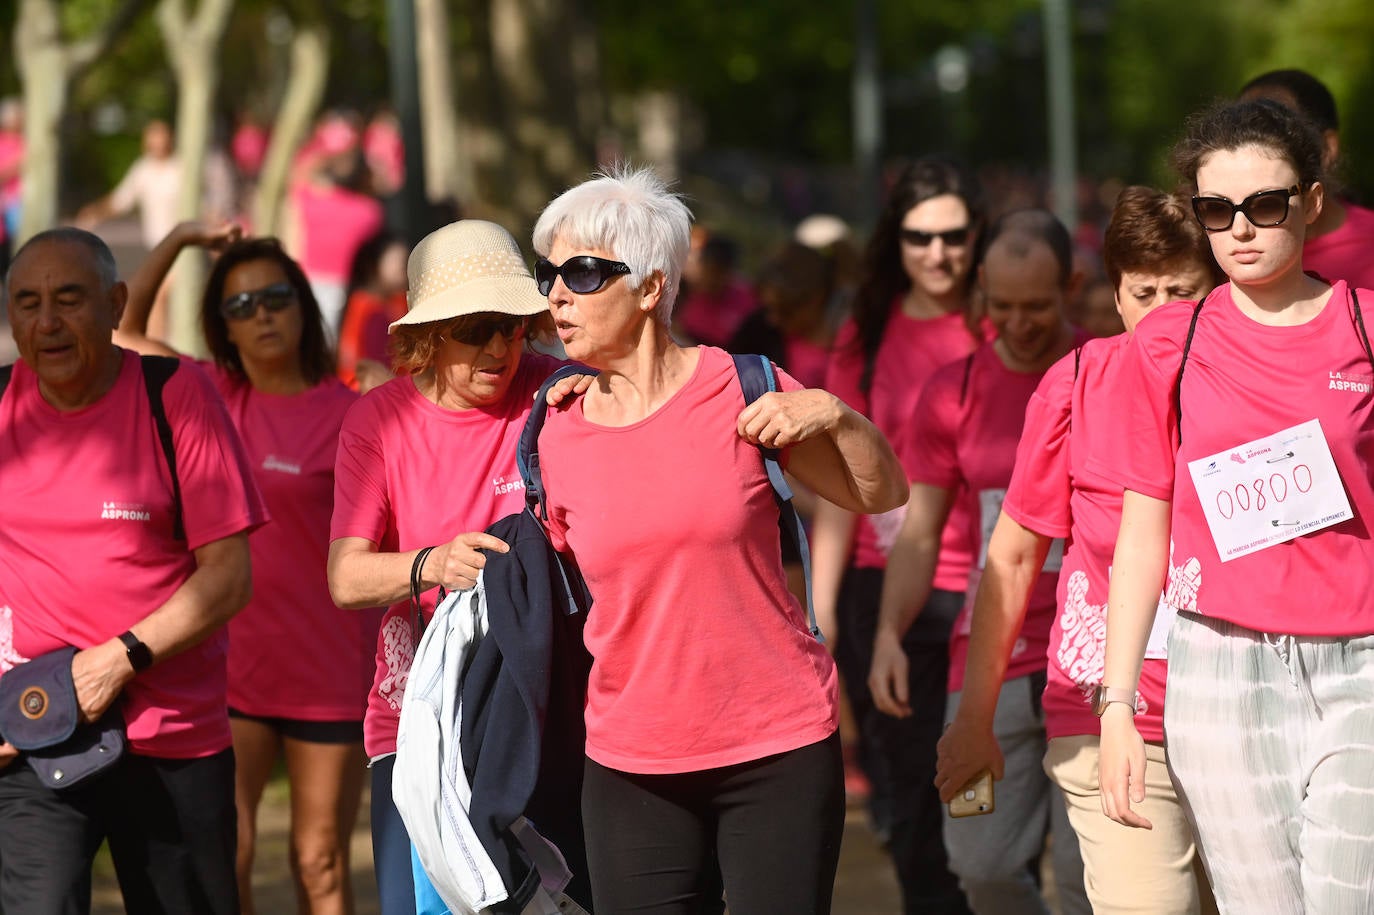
x=712 y=757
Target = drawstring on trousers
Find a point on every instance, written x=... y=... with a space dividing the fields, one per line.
x=1289 y=650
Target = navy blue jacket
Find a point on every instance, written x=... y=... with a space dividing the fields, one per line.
x=523 y=735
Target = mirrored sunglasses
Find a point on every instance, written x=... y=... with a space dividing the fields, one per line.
x=478 y=331
x=581 y=274
x=244 y=305
x=953 y=238
x=1263 y=209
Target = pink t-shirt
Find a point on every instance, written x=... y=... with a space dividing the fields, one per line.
x=805 y=361
x=910 y=352
x=292 y=653
x=1054 y=492
x=411 y=474
x=713 y=319
x=701 y=656
x=963 y=437
x=1347 y=253
x=86 y=550
x=334 y=222
x=1245 y=381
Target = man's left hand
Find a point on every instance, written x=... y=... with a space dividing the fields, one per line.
x=99 y=673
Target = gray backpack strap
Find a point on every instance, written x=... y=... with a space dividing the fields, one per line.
x=756 y=378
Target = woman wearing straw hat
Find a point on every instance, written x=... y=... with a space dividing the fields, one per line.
x=712 y=755
x=428 y=460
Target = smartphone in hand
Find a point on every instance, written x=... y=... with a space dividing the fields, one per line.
x=975 y=798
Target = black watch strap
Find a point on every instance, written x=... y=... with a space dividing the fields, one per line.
x=139 y=655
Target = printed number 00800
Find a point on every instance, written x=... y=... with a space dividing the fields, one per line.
x=1256 y=497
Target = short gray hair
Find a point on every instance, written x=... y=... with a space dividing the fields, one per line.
x=105 y=267
x=633 y=215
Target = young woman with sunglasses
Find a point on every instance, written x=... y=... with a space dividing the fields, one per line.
x=297 y=664
x=713 y=760
x=959 y=446
x=1245 y=444
x=427 y=460
x=911 y=315
x=1155 y=252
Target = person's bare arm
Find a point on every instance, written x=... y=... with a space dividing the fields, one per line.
x=132 y=332
x=1139 y=566
x=907 y=584
x=220 y=586
x=1015 y=557
x=360 y=576
x=832 y=535
x=834 y=450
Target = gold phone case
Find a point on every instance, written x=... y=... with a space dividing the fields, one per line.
x=975 y=798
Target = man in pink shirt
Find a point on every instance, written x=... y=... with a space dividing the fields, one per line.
x=1340 y=243
x=92 y=557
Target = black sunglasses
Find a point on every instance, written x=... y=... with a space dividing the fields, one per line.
x=953 y=238
x=477 y=331
x=244 y=305
x=581 y=274
x=1264 y=209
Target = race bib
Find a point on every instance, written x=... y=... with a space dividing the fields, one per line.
x=1270 y=491
x=989 y=509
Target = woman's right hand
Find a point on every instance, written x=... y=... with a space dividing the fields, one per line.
x=213 y=236
x=1121 y=766
x=966 y=748
x=887 y=678
x=7 y=754
x=455 y=564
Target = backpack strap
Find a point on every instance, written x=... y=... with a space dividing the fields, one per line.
x=1178 y=381
x=527 y=460
x=527 y=451
x=756 y=378
x=968 y=372
x=156 y=371
x=1359 y=324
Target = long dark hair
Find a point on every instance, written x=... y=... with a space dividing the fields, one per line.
x=882 y=277
x=317 y=361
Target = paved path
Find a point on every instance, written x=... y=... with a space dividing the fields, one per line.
x=864 y=886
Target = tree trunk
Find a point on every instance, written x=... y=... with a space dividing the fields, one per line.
x=47 y=67
x=304 y=90
x=448 y=174
x=193 y=47
x=548 y=152
x=44 y=70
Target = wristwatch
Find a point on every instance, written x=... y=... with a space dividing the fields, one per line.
x=139 y=654
x=1104 y=696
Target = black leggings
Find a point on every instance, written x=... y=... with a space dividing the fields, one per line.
x=764 y=833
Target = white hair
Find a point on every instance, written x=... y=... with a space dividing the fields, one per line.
x=631 y=214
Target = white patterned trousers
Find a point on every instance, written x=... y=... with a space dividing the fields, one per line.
x=1271 y=743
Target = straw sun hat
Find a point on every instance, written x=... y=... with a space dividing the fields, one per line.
x=468 y=267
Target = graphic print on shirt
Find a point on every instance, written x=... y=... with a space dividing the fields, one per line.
x=1082 y=652
x=500 y=485
x=9 y=658
x=1185 y=580
x=398 y=652
x=886 y=527
x=125 y=511
x=1354 y=382
x=272 y=462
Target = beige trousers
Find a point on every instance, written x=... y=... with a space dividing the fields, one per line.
x=1149 y=871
